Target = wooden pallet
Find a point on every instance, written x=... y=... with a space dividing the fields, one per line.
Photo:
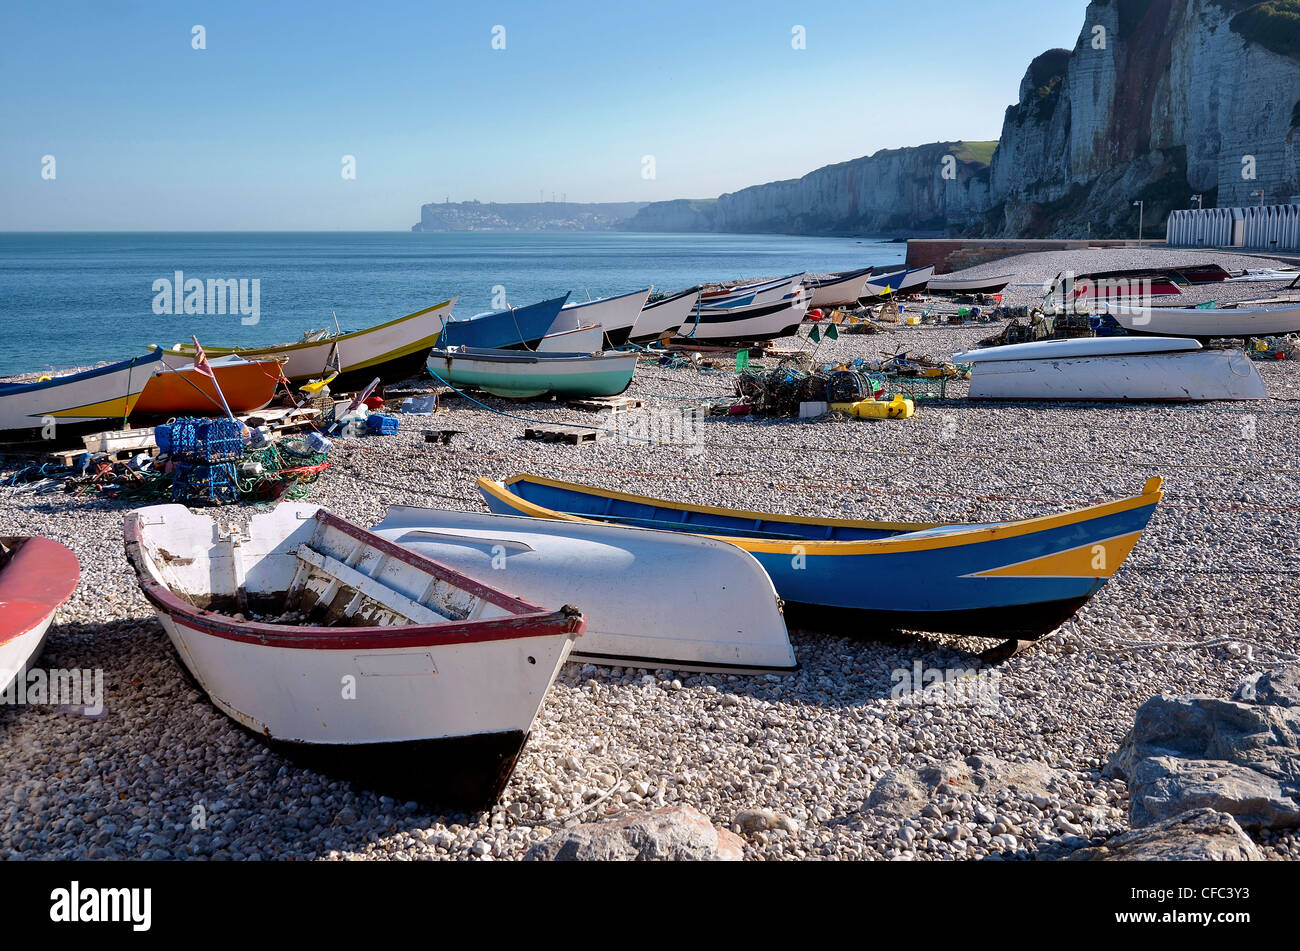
x=574 y=437
x=66 y=457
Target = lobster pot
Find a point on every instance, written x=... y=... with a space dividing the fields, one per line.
x=205 y=483
x=201 y=440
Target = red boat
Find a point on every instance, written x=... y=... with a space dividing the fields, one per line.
x=178 y=388
x=36 y=576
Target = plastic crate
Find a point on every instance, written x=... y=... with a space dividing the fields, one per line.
x=202 y=440
x=381 y=424
x=205 y=484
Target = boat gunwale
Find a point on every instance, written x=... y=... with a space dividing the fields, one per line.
x=15 y=387
x=524 y=621
x=273 y=349
x=1151 y=495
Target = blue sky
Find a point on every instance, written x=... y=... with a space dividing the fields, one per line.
x=148 y=133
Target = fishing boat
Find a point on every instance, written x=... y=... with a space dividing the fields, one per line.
x=1112 y=368
x=58 y=409
x=841 y=288
x=970 y=285
x=179 y=388
x=616 y=314
x=718 y=290
x=514 y=328
x=1208 y=324
x=745 y=318
x=349 y=653
x=518 y=374
x=896 y=282
x=36 y=576
x=664 y=317
x=578 y=340
x=392 y=351
x=1016 y=580
x=651 y=599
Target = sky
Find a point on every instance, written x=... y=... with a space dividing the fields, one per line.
x=146 y=132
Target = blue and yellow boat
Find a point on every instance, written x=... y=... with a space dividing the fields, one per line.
x=1017 y=580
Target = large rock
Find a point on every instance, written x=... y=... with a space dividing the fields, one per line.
x=1202 y=835
x=671 y=834
x=1237 y=756
x=904 y=792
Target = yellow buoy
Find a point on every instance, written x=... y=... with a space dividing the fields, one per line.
x=897 y=408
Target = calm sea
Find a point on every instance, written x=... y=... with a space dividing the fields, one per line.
x=78 y=299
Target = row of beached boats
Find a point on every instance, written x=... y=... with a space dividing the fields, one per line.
x=552 y=347
x=414 y=655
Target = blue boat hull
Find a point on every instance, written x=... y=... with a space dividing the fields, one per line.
x=1012 y=579
x=511 y=329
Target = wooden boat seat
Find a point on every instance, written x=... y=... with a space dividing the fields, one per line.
x=341 y=578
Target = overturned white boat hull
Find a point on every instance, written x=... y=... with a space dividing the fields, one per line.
x=651 y=599
x=1112 y=368
x=1207 y=324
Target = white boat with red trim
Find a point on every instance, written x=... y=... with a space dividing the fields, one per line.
x=350 y=653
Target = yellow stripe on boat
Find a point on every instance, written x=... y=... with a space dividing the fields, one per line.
x=1098 y=560
x=121 y=406
x=1151 y=494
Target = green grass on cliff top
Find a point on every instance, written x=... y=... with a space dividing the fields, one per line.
x=980 y=152
x=1274 y=25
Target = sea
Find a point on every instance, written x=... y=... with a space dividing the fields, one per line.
x=74 y=300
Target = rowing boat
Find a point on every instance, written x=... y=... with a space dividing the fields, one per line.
x=616 y=314
x=392 y=351
x=844 y=287
x=578 y=340
x=514 y=328
x=970 y=285
x=764 y=315
x=36 y=576
x=651 y=599
x=518 y=374
x=1208 y=324
x=64 y=407
x=1016 y=579
x=1125 y=369
x=665 y=316
x=896 y=282
x=349 y=653
x=179 y=388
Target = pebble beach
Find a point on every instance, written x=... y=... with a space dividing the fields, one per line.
x=826 y=763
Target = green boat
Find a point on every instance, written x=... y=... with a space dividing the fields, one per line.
x=521 y=374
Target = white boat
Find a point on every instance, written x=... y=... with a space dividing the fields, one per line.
x=616 y=314
x=1112 y=368
x=651 y=599
x=1208 y=324
x=665 y=316
x=579 y=340
x=970 y=285
x=391 y=351
x=898 y=281
x=839 y=289
x=36 y=576
x=517 y=374
x=74 y=404
x=349 y=653
x=757 y=322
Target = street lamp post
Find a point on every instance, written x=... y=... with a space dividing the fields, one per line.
x=1260 y=196
x=1200 y=203
x=1141 y=207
